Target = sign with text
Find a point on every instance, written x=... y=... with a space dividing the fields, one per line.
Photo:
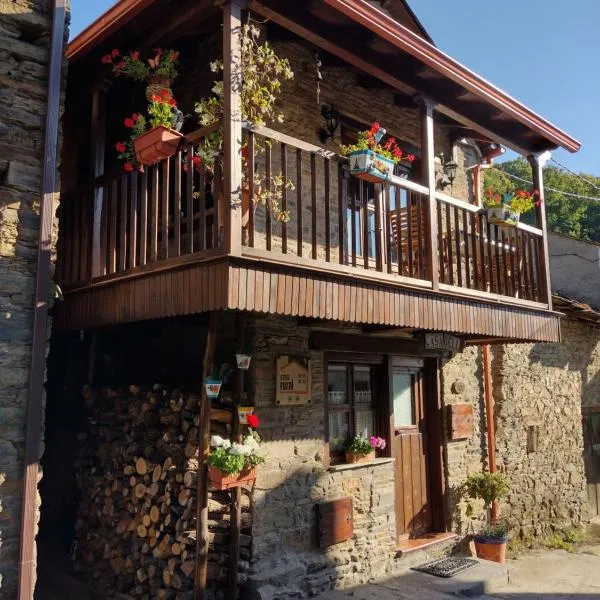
x=293 y=380
x=442 y=341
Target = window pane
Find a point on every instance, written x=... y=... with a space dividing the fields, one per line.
x=362 y=385
x=337 y=385
x=339 y=430
x=403 y=400
x=363 y=421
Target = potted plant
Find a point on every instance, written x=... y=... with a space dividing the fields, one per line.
x=372 y=159
x=490 y=541
x=362 y=449
x=159 y=70
x=234 y=464
x=506 y=209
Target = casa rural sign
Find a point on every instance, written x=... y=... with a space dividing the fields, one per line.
x=293 y=380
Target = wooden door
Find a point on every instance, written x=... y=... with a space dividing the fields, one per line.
x=410 y=450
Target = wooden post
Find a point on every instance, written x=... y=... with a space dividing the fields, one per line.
x=540 y=213
x=98 y=142
x=232 y=121
x=428 y=179
x=203 y=450
x=235 y=512
x=489 y=418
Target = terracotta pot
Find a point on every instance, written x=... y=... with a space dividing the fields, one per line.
x=493 y=549
x=156 y=84
x=226 y=482
x=352 y=458
x=155 y=145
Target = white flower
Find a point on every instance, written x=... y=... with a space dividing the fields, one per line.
x=216 y=441
x=251 y=443
x=226 y=444
x=240 y=449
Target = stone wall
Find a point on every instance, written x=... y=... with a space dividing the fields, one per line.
x=538 y=392
x=287 y=561
x=24 y=42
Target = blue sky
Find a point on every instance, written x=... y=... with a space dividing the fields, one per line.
x=544 y=53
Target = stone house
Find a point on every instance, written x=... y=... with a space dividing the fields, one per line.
x=388 y=293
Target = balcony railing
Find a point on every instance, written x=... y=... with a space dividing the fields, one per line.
x=325 y=219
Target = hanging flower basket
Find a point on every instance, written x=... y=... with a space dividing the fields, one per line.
x=155 y=145
x=156 y=85
x=352 y=457
x=370 y=166
x=243 y=361
x=502 y=215
x=212 y=387
x=226 y=482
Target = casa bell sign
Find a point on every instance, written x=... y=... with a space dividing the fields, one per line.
x=442 y=341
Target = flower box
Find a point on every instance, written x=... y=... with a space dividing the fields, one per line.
x=502 y=215
x=370 y=166
x=157 y=144
x=489 y=548
x=225 y=482
x=212 y=387
x=352 y=458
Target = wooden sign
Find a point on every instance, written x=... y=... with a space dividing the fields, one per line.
x=293 y=380
x=460 y=421
x=335 y=521
x=442 y=341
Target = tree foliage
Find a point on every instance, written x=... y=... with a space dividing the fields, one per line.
x=565 y=214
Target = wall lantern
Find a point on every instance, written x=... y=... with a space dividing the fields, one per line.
x=332 y=121
x=450 y=169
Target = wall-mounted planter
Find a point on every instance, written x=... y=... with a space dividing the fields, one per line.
x=501 y=215
x=225 y=482
x=352 y=458
x=367 y=165
x=243 y=361
x=155 y=145
x=212 y=387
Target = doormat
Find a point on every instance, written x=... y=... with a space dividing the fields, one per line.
x=446 y=567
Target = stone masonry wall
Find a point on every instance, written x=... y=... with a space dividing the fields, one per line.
x=24 y=42
x=287 y=561
x=538 y=390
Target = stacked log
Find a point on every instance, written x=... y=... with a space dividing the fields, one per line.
x=137 y=472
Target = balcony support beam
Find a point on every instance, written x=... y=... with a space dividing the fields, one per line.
x=537 y=162
x=428 y=180
x=232 y=122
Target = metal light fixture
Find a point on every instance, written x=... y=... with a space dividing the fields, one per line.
x=450 y=169
x=332 y=121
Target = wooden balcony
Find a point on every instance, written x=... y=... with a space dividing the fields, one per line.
x=169 y=242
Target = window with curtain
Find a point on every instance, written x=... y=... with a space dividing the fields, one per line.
x=349 y=404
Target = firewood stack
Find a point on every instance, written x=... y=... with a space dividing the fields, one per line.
x=136 y=525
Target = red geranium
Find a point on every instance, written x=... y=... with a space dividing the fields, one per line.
x=129 y=122
x=115 y=52
x=252 y=421
x=121 y=147
x=128 y=167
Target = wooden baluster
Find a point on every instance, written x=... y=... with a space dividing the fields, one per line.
x=354 y=191
x=251 y=167
x=450 y=235
x=177 y=205
x=299 y=205
x=327 y=206
x=458 y=250
x=538 y=275
x=517 y=266
x=104 y=232
x=377 y=197
x=144 y=219
x=420 y=238
x=506 y=266
x=482 y=247
x=154 y=215
x=284 y=231
x=476 y=259
x=364 y=206
x=124 y=206
x=526 y=265
x=398 y=209
x=499 y=267
x=467 y=238
x=133 y=213
x=76 y=219
x=313 y=195
x=493 y=278
x=389 y=236
x=164 y=225
x=189 y=203
x=409 y=230
x=202 y=242
x=268 y=224
x=217 y=195
x=441 y=242
x=342 y=195
x=112 y=238
x=86 y=224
